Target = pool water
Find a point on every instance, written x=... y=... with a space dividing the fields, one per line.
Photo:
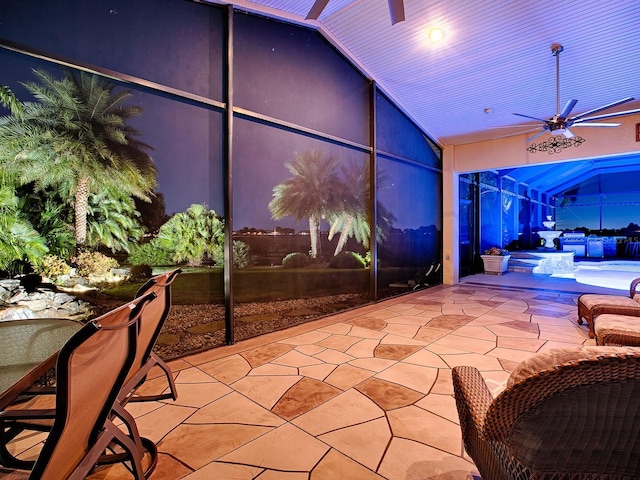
x=616 y=274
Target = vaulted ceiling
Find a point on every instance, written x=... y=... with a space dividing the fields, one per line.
x=495 y=60
x=496 y=54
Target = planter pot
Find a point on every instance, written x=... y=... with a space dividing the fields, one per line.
x=495 y=264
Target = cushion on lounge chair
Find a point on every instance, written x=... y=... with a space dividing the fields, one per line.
x=554 y=357
x=621 y=330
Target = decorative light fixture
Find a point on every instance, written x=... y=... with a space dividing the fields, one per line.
x=555 y=144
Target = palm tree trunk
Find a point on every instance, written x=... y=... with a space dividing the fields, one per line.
x=314 y=230
x=80 y=211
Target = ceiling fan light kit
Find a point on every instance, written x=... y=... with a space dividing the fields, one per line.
x=561 y=122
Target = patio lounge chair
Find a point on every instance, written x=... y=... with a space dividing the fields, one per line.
x=90 y=372
x=590 y=305
x=151 y=325
x=568 y=414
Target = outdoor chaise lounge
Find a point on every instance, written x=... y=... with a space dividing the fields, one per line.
x=590 y=305
x=91 y=370
x=569 y=414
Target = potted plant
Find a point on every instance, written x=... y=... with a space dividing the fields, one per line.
x=496 y=260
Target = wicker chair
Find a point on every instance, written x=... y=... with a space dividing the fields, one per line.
x=565 y=415
x=590 y=305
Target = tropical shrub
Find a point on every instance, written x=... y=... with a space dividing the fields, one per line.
x=241 y=258
x=20 y=243
x=94 y=264
x=297 y=260
x=52 y=266
x=192 y=236
x=347 y=260
x=150 y=254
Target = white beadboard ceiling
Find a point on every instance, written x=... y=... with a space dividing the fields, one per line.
x=496 y=55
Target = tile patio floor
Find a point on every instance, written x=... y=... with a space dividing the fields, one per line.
x=364 y=394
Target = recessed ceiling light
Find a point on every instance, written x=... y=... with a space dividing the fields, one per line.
x=488 y=110
x=435 y=34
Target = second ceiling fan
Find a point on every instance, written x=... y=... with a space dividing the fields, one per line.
x=561 y=121
x=396 y=10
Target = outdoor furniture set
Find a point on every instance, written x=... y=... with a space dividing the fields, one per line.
x=98 y=371
x=612 y=319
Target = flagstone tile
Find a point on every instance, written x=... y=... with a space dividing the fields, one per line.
x=347 y=376
x=360 y=333
x=525 y=344
x=235 y=409
x=198 y=394
x=228 y=369
x=302 y=397
x=365 y=443
x=336 y=465
x=306 y=338
x=481 y=362
x=388 y=395
x=339 y=342
x=417 y=424
x=294 y=358
x=469 y=344
x=333 y=356
x=265 y=390
x=318 y=372
x=407 y=459
x=337 y=328
x=402 y=330
x=370 y=323
x=373 y=364
x=228 y=471
x=192 y=375
x=344 y=410
x=273 y=450
x=395 y=352
x=416 y=377
x=425 y=358
x=155 y=425
x=213 y=441
x=442 y=405
x=259 y=356
x=364 y=348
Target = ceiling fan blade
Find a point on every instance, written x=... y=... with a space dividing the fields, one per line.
x=533 y=118
x=536 y=135
x=316 y=9
x=608 y=115
x=604 y=107
x=567 y=109
x=595 y=124
x=396 y=11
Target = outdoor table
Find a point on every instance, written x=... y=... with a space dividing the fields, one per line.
x=28 y=349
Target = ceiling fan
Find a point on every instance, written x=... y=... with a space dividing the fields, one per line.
x=561 y=121
x=396 y=10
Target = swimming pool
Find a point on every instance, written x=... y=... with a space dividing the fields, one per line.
x=616 y=274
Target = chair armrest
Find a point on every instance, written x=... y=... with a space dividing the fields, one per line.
x=473 y=397
x=632 y=288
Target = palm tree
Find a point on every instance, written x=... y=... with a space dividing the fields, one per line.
x=353 y=221
x=311 y=193
x=9 y=100
x=76 y=140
